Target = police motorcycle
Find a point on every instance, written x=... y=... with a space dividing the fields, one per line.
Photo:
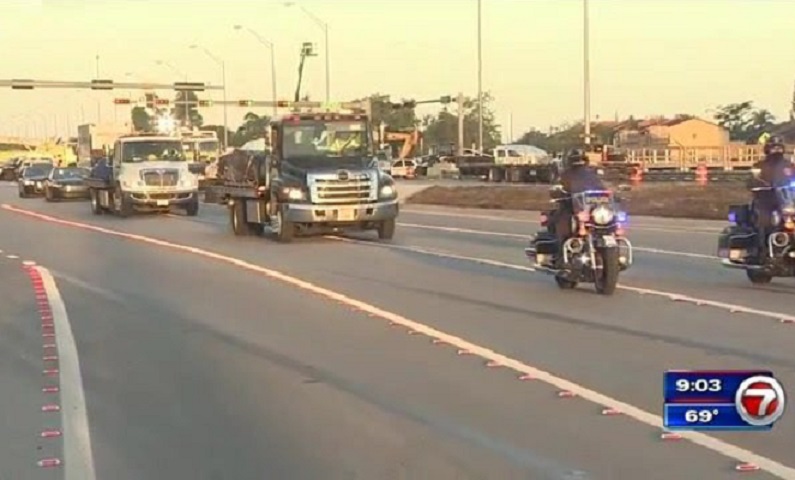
x=596 y=251
x=739 y=247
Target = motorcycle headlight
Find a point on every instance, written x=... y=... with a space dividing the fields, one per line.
x=387 y=191
x=602 y=215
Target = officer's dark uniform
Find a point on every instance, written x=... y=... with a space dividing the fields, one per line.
x=774 y=171
x=578 y=177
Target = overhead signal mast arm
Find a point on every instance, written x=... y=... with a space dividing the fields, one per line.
x=27 y=84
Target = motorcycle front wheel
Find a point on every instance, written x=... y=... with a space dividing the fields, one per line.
x=606 y=279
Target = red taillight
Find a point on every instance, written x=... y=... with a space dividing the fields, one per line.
x=789 y=224
x=544 y=220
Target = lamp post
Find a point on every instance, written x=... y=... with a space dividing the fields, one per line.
x=223 y=75
x=480 y=82
x=268 y=44
x=179 y=72
x=586 y=71
x=324 y=26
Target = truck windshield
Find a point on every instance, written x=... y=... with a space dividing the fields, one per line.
x=325 y=143
x=208 y=146
x=154 y=151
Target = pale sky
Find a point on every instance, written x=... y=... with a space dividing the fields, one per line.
x=648 y=57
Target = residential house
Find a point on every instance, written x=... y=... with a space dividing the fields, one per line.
x=661 y=133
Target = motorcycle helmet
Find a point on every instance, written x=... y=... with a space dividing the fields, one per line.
x=774 y=146
x=576 y=157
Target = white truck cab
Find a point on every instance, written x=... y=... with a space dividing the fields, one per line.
x=148 y=172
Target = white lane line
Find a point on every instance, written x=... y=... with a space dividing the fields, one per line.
x=78 y=455
x=527 y=237
x=728 y=450
x=640 y=226
x=677 y=297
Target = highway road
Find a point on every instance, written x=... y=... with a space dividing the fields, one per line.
x=188 y=353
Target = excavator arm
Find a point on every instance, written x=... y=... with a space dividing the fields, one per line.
x=410 y=140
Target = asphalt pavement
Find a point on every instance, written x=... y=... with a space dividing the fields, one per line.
x=209 y=356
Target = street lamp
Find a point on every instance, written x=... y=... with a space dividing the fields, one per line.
x=323 y=25
x=586 y=71
x=179 y=72
x=480 y=82
x=268 y=44
x=223 y=74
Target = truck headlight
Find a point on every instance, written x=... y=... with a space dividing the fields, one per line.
x=387 y=191
x=602 y=215
x=189 y=181
x=293 y=193
x=27 y=182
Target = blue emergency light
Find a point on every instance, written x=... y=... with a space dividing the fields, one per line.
x=621 y=217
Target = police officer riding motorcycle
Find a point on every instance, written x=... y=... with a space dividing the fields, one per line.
x=584 y=240
x=761 y=239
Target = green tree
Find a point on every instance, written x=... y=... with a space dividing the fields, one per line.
x=566 y=136
x=191 y=113
x=744 y=121
x=395 y=119
x=442 y=130
x=141 y=120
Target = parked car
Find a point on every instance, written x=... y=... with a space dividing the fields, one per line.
x=66 y=183
x=404 y=168
x=31 y=180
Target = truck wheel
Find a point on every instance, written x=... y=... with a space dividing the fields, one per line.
x=96 y=208
x=192 y=208
x=283 y=229
x=237 y=218
x=386 y=229
x=121 y=204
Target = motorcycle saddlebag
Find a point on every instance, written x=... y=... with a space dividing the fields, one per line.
x=735 y=242
x=546 y=243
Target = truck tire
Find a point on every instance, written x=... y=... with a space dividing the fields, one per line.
x=284 y=230
x=120 y=203
x=192 y=208
x=96 y=208
x=237 y=218
x=386 y=229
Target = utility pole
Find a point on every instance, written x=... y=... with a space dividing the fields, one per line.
x=586 y=71
x=461 y=124
x=99 y=104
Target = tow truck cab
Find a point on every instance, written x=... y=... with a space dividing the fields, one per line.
x=148 y=172
x=324 y=173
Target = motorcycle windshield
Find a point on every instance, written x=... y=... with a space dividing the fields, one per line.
x=786 y=197
x=590 y=199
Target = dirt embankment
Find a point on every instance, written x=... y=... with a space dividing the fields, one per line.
x=663 y=200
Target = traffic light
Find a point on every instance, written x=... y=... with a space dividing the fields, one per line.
x=205 y=103
x=409 y=104
x=446 y=99
x=150 y=98
x=282 y=104
x=162 y=101
x=245 y=103
x=122 y=101
x=189 y=86
x=101 y=84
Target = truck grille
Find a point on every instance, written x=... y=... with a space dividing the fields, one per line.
x=160 y=178
x=358 y=188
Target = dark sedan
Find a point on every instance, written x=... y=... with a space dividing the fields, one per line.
x=65 y=183
x=31 y=180
x=8 y=170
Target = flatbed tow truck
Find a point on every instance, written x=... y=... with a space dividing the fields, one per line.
x=147 y=172
x=322 y=176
